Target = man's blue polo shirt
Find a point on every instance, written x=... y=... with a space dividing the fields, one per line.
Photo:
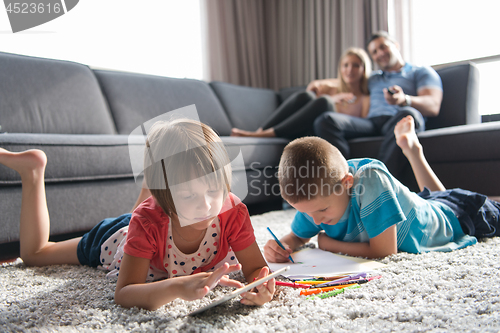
x=411 y=78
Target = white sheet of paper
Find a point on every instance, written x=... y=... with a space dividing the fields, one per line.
x=316 y=262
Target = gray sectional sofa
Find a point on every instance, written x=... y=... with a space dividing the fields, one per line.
x=82 y=118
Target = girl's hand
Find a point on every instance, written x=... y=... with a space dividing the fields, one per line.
x=262 y=293
x=198 y=285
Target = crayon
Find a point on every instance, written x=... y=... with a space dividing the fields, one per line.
x=314 y=291
x=292 y=284
x=329 y=278
x=312 y=282
x=333 y=292
x=352 y=277
x=337 y=283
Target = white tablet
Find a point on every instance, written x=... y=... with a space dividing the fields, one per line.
x=237 y=292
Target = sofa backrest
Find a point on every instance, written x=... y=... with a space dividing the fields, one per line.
x=136 y=98
x=460 y=97
x=246 y=107
x=285 y=93
x=50 y=96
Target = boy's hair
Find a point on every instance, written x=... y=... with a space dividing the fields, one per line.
x=310 y=166
x=367 y=65
x=179 y=151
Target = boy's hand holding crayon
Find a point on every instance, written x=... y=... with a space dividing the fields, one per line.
x=282 y=250
x=275 y=253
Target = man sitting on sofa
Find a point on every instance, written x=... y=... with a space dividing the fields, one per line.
x=397 y=90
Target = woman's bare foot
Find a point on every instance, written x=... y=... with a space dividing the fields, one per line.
x=27 y=163
x=237 y=132
x=406 y=137
x=260 y=133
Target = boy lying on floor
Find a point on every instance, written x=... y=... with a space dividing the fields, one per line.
x=358 y=208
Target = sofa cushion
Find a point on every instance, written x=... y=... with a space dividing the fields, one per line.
x=246 y=107
x=73 y=157
x=137 y=98
x=74 y=207
x=50 y=96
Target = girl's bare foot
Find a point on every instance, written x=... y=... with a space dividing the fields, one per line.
x=26 y=163
x=34 y=227
x=406 y=137
x=260 y=133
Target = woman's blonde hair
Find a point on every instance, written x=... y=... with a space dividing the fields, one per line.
x=179 y=151
x=367 y=65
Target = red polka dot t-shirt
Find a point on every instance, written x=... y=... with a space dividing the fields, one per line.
x=149 y=236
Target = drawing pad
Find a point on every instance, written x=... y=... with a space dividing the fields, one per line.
x=316 y=262
x=239 y=291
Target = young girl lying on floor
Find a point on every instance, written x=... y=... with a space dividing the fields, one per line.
x=183 y=236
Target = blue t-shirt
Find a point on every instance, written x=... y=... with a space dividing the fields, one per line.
x=411 y=79
x=378 y=201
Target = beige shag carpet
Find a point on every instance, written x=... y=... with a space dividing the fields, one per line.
x=433 y=292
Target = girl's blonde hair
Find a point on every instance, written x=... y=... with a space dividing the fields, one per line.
x=367 y=65
x=179 y=151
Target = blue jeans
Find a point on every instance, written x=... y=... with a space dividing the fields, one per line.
x=478 y=215
x=89 y=247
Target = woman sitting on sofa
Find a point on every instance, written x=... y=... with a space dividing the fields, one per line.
x=295 y=117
